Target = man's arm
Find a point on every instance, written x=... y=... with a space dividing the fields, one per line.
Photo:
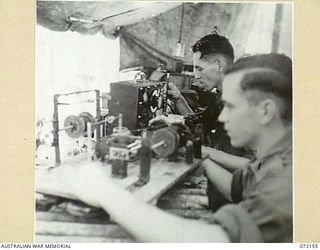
x=180 y=103
x=143 y=221
x=228 y=161
x=219 y=177
x=150 y=224
x=219 y=168
x=182 y=106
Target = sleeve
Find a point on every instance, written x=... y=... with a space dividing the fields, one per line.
x=236 y=186
x=238 y=224
x=270 y=205
x=264 y=215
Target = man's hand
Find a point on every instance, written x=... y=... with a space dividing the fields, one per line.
x=181 y=105
x=173 y=92
x=169 y=119
x=207 y=150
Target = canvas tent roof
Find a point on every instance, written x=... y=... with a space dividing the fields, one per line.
x=149 y=31
x=93 y=17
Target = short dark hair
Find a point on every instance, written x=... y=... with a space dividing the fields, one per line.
x=278 y=62
x=267 y=74
x=214 y=43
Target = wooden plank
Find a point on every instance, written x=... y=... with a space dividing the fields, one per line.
x=66 y=217
x=185 y=202
x=190 y=213
x=80 y=229
x=50 y=180
x=163 y=174
x=57 y=227
x=189 y=191
x=79 y=239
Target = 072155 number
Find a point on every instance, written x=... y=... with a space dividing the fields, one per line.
x=308 y=245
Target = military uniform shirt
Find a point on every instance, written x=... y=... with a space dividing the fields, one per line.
x=264 y=211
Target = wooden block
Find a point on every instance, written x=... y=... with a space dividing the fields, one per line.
x=80 y=229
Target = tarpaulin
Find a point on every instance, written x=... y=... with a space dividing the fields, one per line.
x=153 y=41
x=91 y=17
x=149 y=31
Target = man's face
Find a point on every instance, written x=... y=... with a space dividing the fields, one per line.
x=209 y=69
x=240 y=117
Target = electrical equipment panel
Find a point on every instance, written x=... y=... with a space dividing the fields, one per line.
x=137 y=101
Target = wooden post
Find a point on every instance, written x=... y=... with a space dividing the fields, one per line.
x=277 y=28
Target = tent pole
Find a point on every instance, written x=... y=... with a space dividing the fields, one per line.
x=277 y=28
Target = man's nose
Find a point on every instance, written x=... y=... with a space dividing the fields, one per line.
x=222 y=116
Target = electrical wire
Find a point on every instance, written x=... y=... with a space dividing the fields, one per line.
x=181 y=23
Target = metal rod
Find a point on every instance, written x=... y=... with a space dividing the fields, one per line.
x=89 y=131
x=98 y=109
x=100 y=122
x=165 y=94
x=157 y=144
x=55 y=124
x=120 y=123
x=68 y=103
x=104 y=129
x=65 y=128
x=77 y=92
x=135 y=148
x=133 y=144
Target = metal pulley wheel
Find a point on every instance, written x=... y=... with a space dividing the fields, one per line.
x=87 y=117
x=78 y=126
x=170 y=138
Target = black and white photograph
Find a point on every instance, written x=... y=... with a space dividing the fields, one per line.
x=163 y=122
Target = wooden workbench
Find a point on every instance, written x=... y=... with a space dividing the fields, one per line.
x=59 y=218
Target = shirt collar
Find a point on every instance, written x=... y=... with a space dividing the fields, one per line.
x=280 y=146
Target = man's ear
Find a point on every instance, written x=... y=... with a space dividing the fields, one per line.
x=268 y=110
x=221 y=64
